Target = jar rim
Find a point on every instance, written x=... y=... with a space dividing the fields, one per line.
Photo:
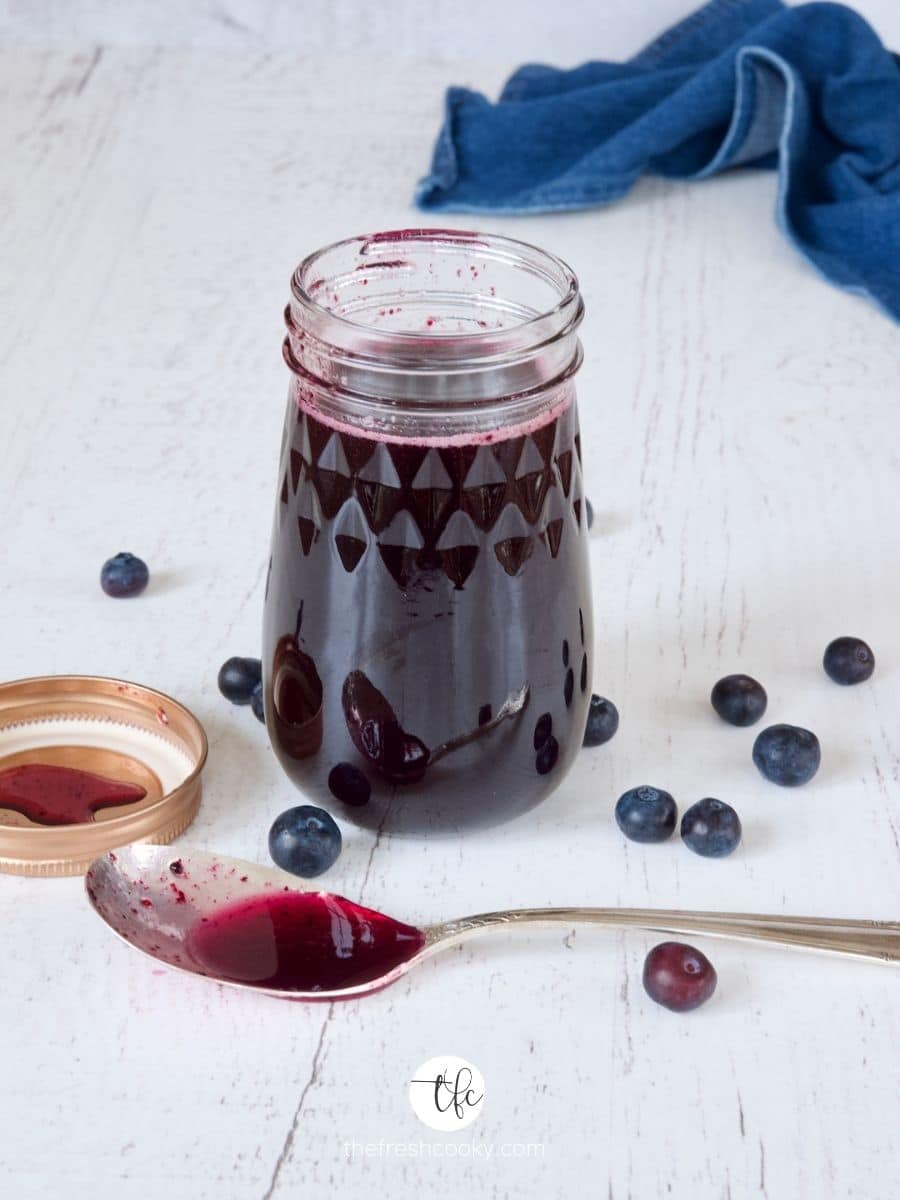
x=564 y=315
x=518 y=307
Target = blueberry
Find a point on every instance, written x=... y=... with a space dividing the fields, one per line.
x=257 y=704
x=239 y=678
x=787 y=755
x=678 y=976
x=711 y=828
x=646 y=814
x=305 y=841
x=589 y=511
x=349 y=784
x=542 y=729
x=569 y=686
x=124 y=575
x=547 y=756
x=602 y=721
x=848 y=660
x=739 y=700
x=484 y=714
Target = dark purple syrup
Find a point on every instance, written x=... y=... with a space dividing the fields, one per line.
x=413 y=588
x=53 y=795
x=301 y=942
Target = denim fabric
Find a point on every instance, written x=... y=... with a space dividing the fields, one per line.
x=810 y=91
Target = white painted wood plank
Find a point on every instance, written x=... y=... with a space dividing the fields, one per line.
x=467 y=30
x=740 y=429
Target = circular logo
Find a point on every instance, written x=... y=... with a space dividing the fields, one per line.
x=447 y=1093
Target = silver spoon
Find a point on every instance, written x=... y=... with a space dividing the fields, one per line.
x=164 y=902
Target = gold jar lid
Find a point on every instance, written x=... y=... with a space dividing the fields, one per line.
x=142 y=753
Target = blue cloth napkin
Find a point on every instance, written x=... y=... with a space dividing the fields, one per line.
x=808 y=90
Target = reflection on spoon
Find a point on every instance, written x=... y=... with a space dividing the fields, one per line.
x=250 y=926
x=514 y=703
x=400 y=756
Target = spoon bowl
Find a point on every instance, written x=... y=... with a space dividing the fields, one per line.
x=252 y=926
x=164 y=903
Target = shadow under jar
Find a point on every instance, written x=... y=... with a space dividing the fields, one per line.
x=427 y=648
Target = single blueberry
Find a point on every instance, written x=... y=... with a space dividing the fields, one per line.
x=305 y=841
x=848 y=660
x=542 y=730
x=256 y=703
x=349 y=784
x=589 y=510
x=547 y=756
x=602 y=721
x=787 y=755
x=646 y=814
x=239 y=678
x=569 y=686
x=678 y=976
x=711 y=828
x=739 y=700
x=124 y=575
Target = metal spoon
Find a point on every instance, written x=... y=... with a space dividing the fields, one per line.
x=154 y=897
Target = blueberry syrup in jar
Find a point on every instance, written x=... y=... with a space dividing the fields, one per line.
x=429 y=555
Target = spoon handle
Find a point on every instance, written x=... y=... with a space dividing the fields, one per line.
x=860 y=939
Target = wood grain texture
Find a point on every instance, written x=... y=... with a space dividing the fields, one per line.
x=462 y=29
x=740 y=424
x=468 y=30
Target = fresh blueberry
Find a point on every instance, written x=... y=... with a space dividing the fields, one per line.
x=678 y=976
x=547 y=756
x=589 y=510
x=256 y=703
x=646 y=814
x=542 y=729
x=124 y=575
x=602 y=721
x=239 y=678
x=569 y=686
x=787 y=755
x=848 y=660
x=349 y=784
x=711 y=828
x=739 y=700
x=305 y=841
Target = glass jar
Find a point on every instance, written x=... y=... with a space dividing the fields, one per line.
x=427 y=647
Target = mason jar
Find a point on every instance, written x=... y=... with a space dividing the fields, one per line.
x=427 y=649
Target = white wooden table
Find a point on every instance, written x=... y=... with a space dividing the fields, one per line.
x=741 y=432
